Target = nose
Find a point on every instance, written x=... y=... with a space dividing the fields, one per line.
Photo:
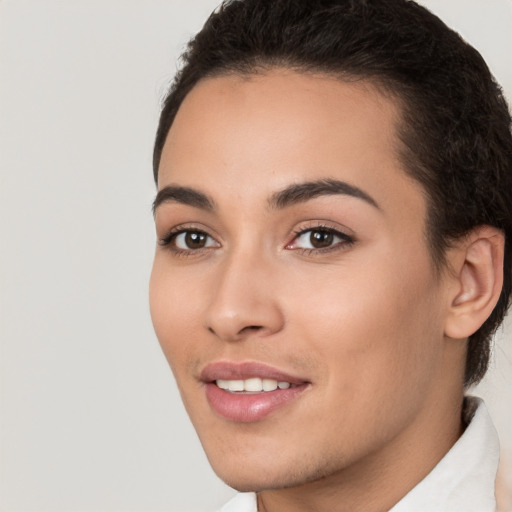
x=244 y=302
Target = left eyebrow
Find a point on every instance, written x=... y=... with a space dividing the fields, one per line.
x=302 y=192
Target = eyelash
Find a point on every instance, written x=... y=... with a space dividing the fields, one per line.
x=346 y=240
x=168 y=241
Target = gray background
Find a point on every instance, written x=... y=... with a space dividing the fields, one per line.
x=90 y=419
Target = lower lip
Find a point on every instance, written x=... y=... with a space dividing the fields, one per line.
x=249 y=407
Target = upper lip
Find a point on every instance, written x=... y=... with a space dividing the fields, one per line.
x=228 y=370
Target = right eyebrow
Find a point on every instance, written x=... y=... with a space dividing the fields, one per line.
x=183 y=195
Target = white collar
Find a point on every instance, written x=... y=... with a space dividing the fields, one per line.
x=463 y=481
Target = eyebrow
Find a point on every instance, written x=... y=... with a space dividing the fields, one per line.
x=183 y=195
x=302 y=192
x=293 y=194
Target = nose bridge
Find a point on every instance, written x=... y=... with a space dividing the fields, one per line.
x=244 y=300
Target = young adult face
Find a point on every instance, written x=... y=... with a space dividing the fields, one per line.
x=293 y=250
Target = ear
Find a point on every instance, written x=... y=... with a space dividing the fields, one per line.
x=477 y=265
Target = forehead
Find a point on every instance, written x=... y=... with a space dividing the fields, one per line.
x=253 y=135
x=283 y=103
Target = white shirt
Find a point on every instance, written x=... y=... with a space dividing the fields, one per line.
x=463 y=481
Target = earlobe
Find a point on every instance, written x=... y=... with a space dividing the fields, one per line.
x=478 y=275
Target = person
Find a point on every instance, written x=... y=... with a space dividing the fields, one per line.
x=334 y=224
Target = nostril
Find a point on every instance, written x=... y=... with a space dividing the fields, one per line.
x=252 y=328
x=235 y=335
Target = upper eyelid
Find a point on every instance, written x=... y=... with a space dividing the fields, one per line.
x=325 y=225
x=190 y=226
x=320 y=228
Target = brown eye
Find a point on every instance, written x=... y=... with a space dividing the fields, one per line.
x=195 y=239
x=190 y=240
x=321 y=239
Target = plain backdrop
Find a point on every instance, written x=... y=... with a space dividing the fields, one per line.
x=90 y=419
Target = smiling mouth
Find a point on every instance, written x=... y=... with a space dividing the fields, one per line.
x=252 y=385
x=249 y=392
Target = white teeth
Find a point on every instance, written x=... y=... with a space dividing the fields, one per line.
x=236 y=385
x=269 y=384
x=252 y=385
x=223 y=384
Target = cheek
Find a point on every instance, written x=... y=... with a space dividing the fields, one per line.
x=172 y=307
x=370 y=327
x=374 y=337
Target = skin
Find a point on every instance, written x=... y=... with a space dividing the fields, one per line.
x=364 y=322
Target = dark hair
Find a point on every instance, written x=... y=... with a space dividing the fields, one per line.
x=455 y=129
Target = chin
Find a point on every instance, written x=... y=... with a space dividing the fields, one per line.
x=248 y=475
x=275 y=472
x=254 y=482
